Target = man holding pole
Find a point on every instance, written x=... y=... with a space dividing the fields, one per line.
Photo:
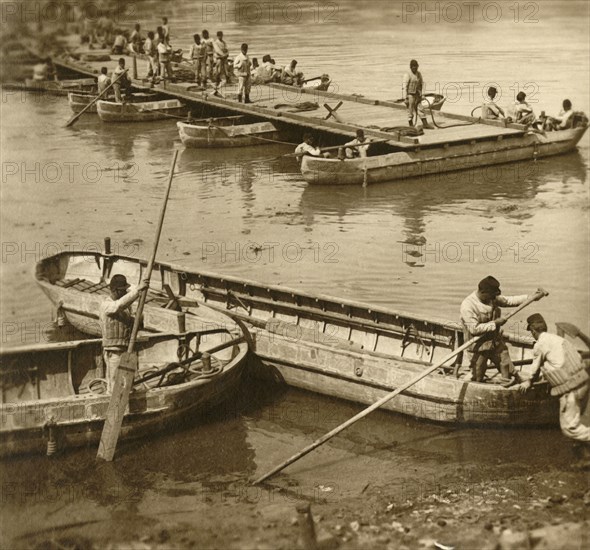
x=481 y=316
x=119 y=80
x=568 y=377
x=116 y=322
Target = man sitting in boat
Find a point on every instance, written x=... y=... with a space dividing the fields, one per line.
x=490 y=110
x=308 y=148
x=264 y=73
x=523 y=112
x=481 y=316
x=116 y=323
x=564 y=120
x=412 y=86
x=122 y=83
x=119 y=45
x=563 y=368
x=291 y=76
x=45 y=70
x=103 y=81
x=358 y=147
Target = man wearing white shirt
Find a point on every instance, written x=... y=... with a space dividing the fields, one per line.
x=243 y=66
x=489 y=110
x=307 y=148
x=220 y=55
x=362 y=146
x=568 y=377
x=481 y=316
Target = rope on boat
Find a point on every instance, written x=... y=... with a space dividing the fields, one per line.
x=450 y=125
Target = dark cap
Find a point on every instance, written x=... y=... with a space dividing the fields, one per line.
x=118 y=281
x=535 y=319
x=490 y=285
x=413 y=62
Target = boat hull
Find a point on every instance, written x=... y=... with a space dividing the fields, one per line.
x=109 y=111
x=62 y=87
x=78 y=102
x=241 y=135
x=338 y=347
x=360 y=377
x=437 y=160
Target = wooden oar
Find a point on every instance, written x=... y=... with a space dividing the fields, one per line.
x=128 y=367
x=78 y=115
x=311 y=79
x=537 y=296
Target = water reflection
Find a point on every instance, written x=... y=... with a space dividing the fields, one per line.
x=412 y=200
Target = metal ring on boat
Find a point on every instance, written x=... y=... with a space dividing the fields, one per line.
x=95 y=381
x=358 y=371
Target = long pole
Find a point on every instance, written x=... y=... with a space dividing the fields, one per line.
x=78 y=115
x=537 y=296
x=128 y=366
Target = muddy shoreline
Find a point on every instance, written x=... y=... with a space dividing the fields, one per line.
x=454 y=513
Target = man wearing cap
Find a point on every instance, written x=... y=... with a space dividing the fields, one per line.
x=116 y=323
x=568 y=377
x=412 y=92
x=481 y=316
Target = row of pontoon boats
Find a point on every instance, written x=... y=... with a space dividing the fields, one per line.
x=201 y=330
x=458 y=143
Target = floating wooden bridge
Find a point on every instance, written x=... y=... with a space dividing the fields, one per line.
x=337 y=115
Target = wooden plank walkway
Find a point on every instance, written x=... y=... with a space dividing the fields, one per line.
x=276 y=102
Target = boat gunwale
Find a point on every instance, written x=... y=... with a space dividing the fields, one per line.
x=174 y=268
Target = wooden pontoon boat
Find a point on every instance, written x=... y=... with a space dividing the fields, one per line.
x=231 y=131
x=443 y=150
x=110 y=111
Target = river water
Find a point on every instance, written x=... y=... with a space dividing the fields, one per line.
x=418 y=246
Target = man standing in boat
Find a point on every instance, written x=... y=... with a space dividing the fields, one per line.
x=481 y=316
x=122 y=82
x=116 y=323
x=412 y=91
x=103 y=81
x=568 y=377
x=243 y=66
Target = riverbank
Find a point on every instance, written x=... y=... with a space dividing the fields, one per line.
x=462 y=510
